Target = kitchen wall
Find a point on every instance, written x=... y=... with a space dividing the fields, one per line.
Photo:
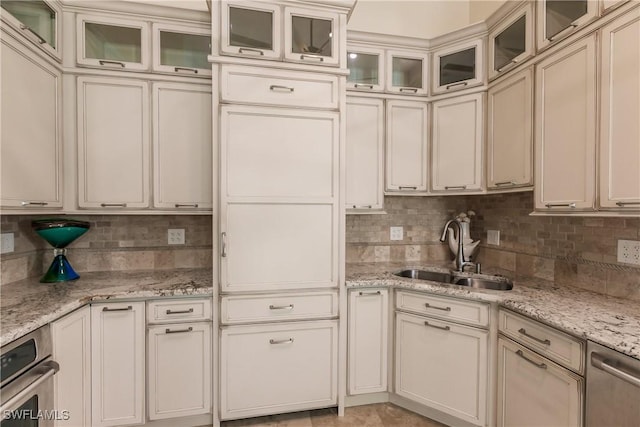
x=480 y=10
x=571 y=251
x=114 y=242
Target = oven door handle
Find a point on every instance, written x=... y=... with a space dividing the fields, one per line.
x=600 y=362
x=48 y=368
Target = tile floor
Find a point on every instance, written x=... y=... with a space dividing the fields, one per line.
x=378 y=415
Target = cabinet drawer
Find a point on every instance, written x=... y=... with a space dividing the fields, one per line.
x=266 y=87
x=473 y=313
x=557 y=346
x=181 y=310
x=269 y=308
x=269 y=369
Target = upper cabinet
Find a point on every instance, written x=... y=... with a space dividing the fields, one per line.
x=250 y=29
x=407 y=72
x=107 y=42
x=39 y=21
x=458 y=67
x=181 y=50
x=366 y=68
x=511 y=41
x=311 y=36
x=556 y=19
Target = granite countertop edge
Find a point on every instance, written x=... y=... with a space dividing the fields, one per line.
x=24 y=306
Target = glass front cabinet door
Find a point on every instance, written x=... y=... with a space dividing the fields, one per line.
x=311 y=36
x=181 y=50
x=38 y=21
x=558 y=18
x=250 y=29
x=366 y=68
x=458 y=67
x=407 y=73
x=112 y=43
x=511 y=41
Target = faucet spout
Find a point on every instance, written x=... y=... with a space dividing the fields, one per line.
x=460 y=262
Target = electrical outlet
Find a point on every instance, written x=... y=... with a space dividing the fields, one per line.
x=175 y=236
x=396 y=233
x=6 y=243
x=629 y=251
x=493 y=237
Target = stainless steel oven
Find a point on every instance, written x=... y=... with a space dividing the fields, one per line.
x=26 y=386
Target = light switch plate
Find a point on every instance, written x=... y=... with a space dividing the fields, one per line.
x=396 y=233
x=629 y=251
x=493 y=237
x=7 y=244
x=175 y=236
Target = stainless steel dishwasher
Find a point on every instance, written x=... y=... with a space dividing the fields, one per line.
x=613 y=388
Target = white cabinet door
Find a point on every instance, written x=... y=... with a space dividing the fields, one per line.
x=511 y=42
x=510 y=132
x=566 y=128
x=269 y=369
x=458 y=67
x=407 y=72
x=31 y=129
x=312 y=36
x=181 y=49
x=456 y=163
x=407 y=136
x=533 y=391
x=366 y=68
x=71 y=337
x=368 y=327
x=365 y=153
x=250 y=28
x=182 y=144
x=620 y=110
x=117 y=364
x=179 y=366
x=442 y=365
x=556 y=20
x=113 y=143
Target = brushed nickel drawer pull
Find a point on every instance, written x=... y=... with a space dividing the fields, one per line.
x=40 y=39
x=287 y=341
x=249 y=50
x=117 y=309
x=178 y=331
x=455 y=187
x=113 y=205
x=456 y=84
x=105 y=62
x=541 y=341
x=34 y=203
x=444 y=328
x=501 y=184
x=223 y=239
x=508 y=66
x=313 y=57
x=560 y=205
x=407 y=188
x=180 y=311
x=426 y=304
x=362 y=207
x=370 y=293
x=539 y=365
x=275 y=88
x=186 y=205
x=622 y=204
x=363 y=86
x=570 y=27
x=193 y=70
x=281 y=307
x=409 y=89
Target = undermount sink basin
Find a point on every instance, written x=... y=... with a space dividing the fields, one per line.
x=497 y=283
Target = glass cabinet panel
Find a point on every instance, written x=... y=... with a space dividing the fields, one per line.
x=311 y=35
x=510 y=43
x=458 y=66
x=406 y=72
x=251 y=28
x=365 y=71
x=36 y=16
x=184 y=50
x=560 y=14
x=114 y=43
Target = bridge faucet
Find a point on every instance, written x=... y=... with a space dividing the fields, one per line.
x=460 y=262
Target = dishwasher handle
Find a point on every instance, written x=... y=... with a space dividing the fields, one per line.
x=607 y=365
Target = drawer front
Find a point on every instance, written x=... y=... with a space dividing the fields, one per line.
x=473 y=313
x=269 y=369
x=557 y=346
x=178 y=310
x=270 y=308
x=267 y=87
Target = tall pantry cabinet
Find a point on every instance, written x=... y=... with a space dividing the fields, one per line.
x=279 y=78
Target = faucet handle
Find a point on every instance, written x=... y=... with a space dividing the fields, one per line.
x=478 y=268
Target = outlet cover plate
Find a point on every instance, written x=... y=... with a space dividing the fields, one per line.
x=175 y=236
x=6 y=243
x=396 y=233
x=629 y=251
x=493 y=237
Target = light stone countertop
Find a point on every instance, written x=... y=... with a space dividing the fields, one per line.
x=28 y=304
x=613 y=322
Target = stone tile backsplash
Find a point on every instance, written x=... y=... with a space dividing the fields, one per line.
x=114 y=242
x=572 y=251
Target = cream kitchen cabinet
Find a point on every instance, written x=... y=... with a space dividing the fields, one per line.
x=71 y=337
x=117 y=364
x=31 y=150
x=619 y=153
x=113 y=143
x=181 y=49
x=312 y=36
x=407 y=146
x=274 y=368
x=407 y=72
x=511 y=41
x=510 y=132
x=442 y=365
x=555 y=20
x=365 y=153
x=182 y=146
x=457 y=140
x=366 y=68
x=459 y=66
x=368 y=338
x=565 y=128
x=251 y=29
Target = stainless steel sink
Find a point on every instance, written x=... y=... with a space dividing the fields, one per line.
x=501 y=284
x=435 y=276
x=497 y=283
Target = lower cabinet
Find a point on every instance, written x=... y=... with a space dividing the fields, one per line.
x=533 y=391
x=442 y=365
x=274 y=368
